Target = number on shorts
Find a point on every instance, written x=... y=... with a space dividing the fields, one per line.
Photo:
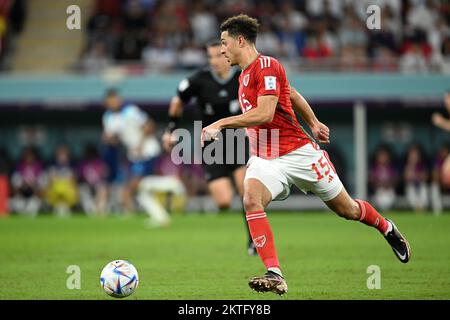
x=323 y=163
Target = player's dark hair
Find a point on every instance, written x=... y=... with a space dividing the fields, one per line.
x=241 y=25
x=111 y=92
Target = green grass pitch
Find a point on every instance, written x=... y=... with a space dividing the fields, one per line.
x=204 y=257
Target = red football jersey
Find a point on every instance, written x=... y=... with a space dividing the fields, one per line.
x=266 y=76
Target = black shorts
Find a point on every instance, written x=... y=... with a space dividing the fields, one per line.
x=228 y=166
x=215 y=171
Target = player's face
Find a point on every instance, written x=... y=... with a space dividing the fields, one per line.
x=230 y=48
x=217 y=60
x=113 y=103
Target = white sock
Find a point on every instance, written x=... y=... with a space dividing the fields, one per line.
x=154 y=209
x=275 y=270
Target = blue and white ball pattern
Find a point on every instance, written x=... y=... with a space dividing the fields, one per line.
x=119 y=278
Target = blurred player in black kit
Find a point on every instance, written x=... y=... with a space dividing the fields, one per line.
x=216 y=90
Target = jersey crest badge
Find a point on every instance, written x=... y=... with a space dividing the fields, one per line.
x=260 y=241
x=246 y=79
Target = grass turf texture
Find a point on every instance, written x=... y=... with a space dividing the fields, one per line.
x=204 y=257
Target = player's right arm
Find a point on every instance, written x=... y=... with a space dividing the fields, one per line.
x=441 y=122
x=175 y=113
x=187 y=88
x=320 y=131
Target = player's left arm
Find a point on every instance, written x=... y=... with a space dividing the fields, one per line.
x=320 y=131
x=254 y=117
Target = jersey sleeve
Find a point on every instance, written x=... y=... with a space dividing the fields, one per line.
x=268 y=79
x=136 y=115
x=109 y=126
x=188 y=87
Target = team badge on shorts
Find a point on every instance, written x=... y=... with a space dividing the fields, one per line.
x=260 y=241
x=246 y=79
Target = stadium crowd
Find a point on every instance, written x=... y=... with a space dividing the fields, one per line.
x=161 y=36
x=94 y=182
x=12 y=19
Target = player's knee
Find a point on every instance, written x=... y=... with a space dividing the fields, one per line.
x=224 y=205
x=252 y=203
x=224 y=201
x=134 y=185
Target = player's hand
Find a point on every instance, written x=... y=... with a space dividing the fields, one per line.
x=169 y=140
x=210 y=133
x=321 y=132
x=109 y=138
x=437 y=119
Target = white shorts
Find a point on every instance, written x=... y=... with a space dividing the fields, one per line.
x=308 y=167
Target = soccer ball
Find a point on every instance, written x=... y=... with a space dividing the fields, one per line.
x=119 y=278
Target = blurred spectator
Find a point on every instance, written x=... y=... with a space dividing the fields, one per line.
x=204 y=23
x=291 y=25
x=12 y=18
x=5 y=170
x=130 y=47
x=92 y=172
x=438 y=179
x=168 y=35
x=353 y=41
x=191 y=57
x=170 y=21
x=111 y=8
x=441 y=170
x=158 y=57
x=416 y=177
x=130 y=126
x=423 y=16
x=384 y=60
x=97 y=58
x=28 y=183
x=135 y=18
x=116 y=169
x=384 y=43
x=135 y=24
x=5 y=162
x=320 y=48
x=267 y=41
x=320 y=44
x=383 y=178
x=444 y=58
x=62 y=189
x=416 y=54
x=324 y=8
x=437 y=35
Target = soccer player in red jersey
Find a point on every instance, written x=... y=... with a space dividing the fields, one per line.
x=282 y=154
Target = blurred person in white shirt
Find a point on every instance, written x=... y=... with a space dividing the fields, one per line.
x=128 y=125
